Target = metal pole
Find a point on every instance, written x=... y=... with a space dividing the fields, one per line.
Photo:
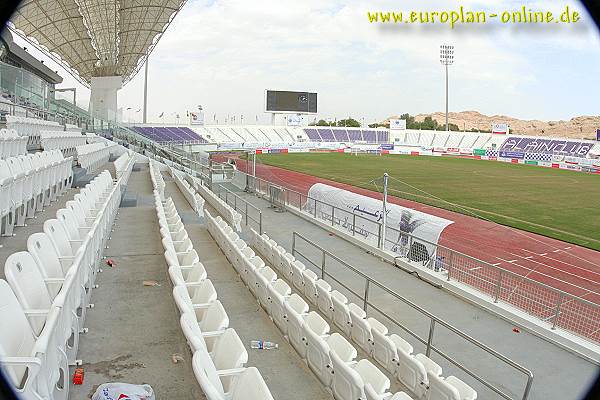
x=446 y=96
x=366 y=299
x=145 y=90
x=430 y=337
x=254 y=164
x=557 y=310
x=247 y=176
x=384 y=219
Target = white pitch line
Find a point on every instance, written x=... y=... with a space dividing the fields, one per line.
x=543 y=254
x=496 y=264
x=567 y=248
x=528 y=257
x=555 y=251
x=534 y=270
x=564 y=262
x=563 y=271
x=512 y=261
x=475 y=268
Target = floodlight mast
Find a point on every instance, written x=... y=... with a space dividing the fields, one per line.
x=384 y=215
x=446 y=58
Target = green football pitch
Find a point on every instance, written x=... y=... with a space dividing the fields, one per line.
x=556 y=203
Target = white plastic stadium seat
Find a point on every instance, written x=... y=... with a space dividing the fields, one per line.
x=264 y=277
x=349 y=379
x=309 y=278
x=372 y=395
x=295 y=311
x=210 y=316
x=297 y=274
x=450 y=388
x=187 y=276
x=314 y=322
x=317 y=353
x=247 y=385
x=36 y=365
x=341 y=313
x=386 y=348
x=277 y=292
x=324 y=298
x=412 y=372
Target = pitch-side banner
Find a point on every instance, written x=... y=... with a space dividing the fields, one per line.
x=362 y=215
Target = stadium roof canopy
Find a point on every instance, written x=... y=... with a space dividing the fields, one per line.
x=93 y=38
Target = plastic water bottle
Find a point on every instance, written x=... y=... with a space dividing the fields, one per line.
x=263 y=345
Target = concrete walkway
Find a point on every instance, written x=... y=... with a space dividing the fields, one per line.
x=559 y=374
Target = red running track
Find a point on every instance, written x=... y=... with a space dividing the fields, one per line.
x=570 y=268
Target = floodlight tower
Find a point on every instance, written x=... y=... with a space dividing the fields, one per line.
x=446 y=58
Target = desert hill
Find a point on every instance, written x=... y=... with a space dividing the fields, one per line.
x=577 y=127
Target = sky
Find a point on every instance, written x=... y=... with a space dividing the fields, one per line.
x=223 y=54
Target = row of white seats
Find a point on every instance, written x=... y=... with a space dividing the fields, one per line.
x=219 y=354
x=30 y=182
x=157 y=179
x=418 y=373
x=30 y=127
x=232 y=216
x=72 y=128
x=11 y=144
x=93 y=156
x=50 y=289
x=194 y=199
x=330 y=356
x=124 y=165
x=63 y=141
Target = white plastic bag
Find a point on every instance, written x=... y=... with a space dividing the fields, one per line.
x=123 y=391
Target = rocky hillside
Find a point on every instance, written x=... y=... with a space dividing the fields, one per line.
x=578 y=127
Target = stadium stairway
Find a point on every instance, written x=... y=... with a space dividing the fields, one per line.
x=285 y=374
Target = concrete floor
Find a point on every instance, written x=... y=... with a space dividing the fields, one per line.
x=559 y=374
x=284 y=372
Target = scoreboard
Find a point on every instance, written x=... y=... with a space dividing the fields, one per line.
x=279 y=101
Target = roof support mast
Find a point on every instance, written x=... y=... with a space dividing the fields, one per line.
x=145 y=89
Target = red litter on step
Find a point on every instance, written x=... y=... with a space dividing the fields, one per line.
x=78 y=376
x=111 y=263
x=516 y=330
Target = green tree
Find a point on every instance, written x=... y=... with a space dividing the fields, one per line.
x=322 y=122
x=349 y=122
x=429 y=124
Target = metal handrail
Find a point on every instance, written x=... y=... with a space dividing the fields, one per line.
x=40 y=111
x=555 y=309
x=369 y=282
x=244 y=209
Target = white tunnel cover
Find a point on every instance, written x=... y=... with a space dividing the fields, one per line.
x=362 y=215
